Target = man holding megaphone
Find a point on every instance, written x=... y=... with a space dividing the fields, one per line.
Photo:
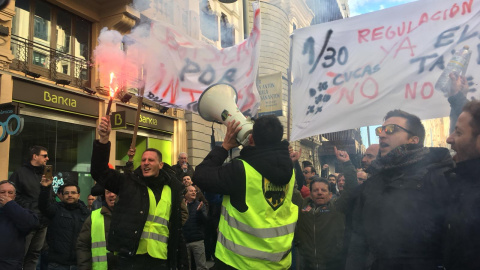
x=258 y=217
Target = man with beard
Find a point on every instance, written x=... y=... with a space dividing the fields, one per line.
x=370 y=155
x=399 y=214
x=258 y=217
x=463 y=219
x=66 y=220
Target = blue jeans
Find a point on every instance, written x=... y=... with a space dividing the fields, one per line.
x=56 y=266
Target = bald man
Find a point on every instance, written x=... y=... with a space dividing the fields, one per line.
x=370 y=155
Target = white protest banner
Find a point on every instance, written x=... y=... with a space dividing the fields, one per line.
x=183 y=67
x=349 y=73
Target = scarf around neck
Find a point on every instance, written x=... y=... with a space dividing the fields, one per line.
x=400 y=157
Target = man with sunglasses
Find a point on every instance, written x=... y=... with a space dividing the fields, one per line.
x=26 y=180
x=66 y=220
x=399 y=214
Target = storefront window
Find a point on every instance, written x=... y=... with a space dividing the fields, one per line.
x=69 y=150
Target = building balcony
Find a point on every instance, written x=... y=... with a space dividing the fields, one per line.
x=36 y=59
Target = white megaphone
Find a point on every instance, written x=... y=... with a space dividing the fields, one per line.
x=218 y=103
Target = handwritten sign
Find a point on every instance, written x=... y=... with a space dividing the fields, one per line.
x=183 y=68
x=350 y=73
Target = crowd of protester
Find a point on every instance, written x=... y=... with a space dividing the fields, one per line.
x=407 y=206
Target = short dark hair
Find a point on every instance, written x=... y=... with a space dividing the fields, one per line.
x=317 y=179
x=311 y=168
x=332 y=175
x=473 y=108
x=35 y=150
x=267 y=130
x=159 y=154
x=414 y=124
x=8 y=182
x=62 y=187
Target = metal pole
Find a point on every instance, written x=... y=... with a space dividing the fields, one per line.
x=137 y=117
x=289 y=83
x=368 y=135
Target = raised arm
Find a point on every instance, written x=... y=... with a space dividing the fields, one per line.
x=212 y=176
x=106 y=177
x=350 y=179
x=45 y=204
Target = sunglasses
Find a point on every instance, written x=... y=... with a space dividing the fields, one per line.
x=390 y=129
x=45 y=156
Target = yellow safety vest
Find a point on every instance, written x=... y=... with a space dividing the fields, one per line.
x=155 y=233
x=99 y=245
x=261 y=237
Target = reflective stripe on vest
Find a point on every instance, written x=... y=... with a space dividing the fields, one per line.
x=99 y=245
x=261 y=237
x=258 y=232
x=155 y=233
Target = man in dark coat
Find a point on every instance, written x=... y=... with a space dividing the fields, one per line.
x=400 y=212
x=183 y=167
x=27 y=179
x=193 y=230
x=15 y=223
x=67 y=218
x=321 y=220
x=463 y=218
x=263 y=171
x=130 y=214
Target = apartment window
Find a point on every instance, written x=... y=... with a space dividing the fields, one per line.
x=208 y=21
x=57 y=39
x=228 y=32
x=39 y=59
x=42 y=23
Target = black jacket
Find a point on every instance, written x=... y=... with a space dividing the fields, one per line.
x=463 y=218
x=131 y=211
x=320 y=230
x=27 y=182
x=193 y=230
x=66 y=222
x=273 y=163
x=399 y=216
x=179 y=171
x=15 y=224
